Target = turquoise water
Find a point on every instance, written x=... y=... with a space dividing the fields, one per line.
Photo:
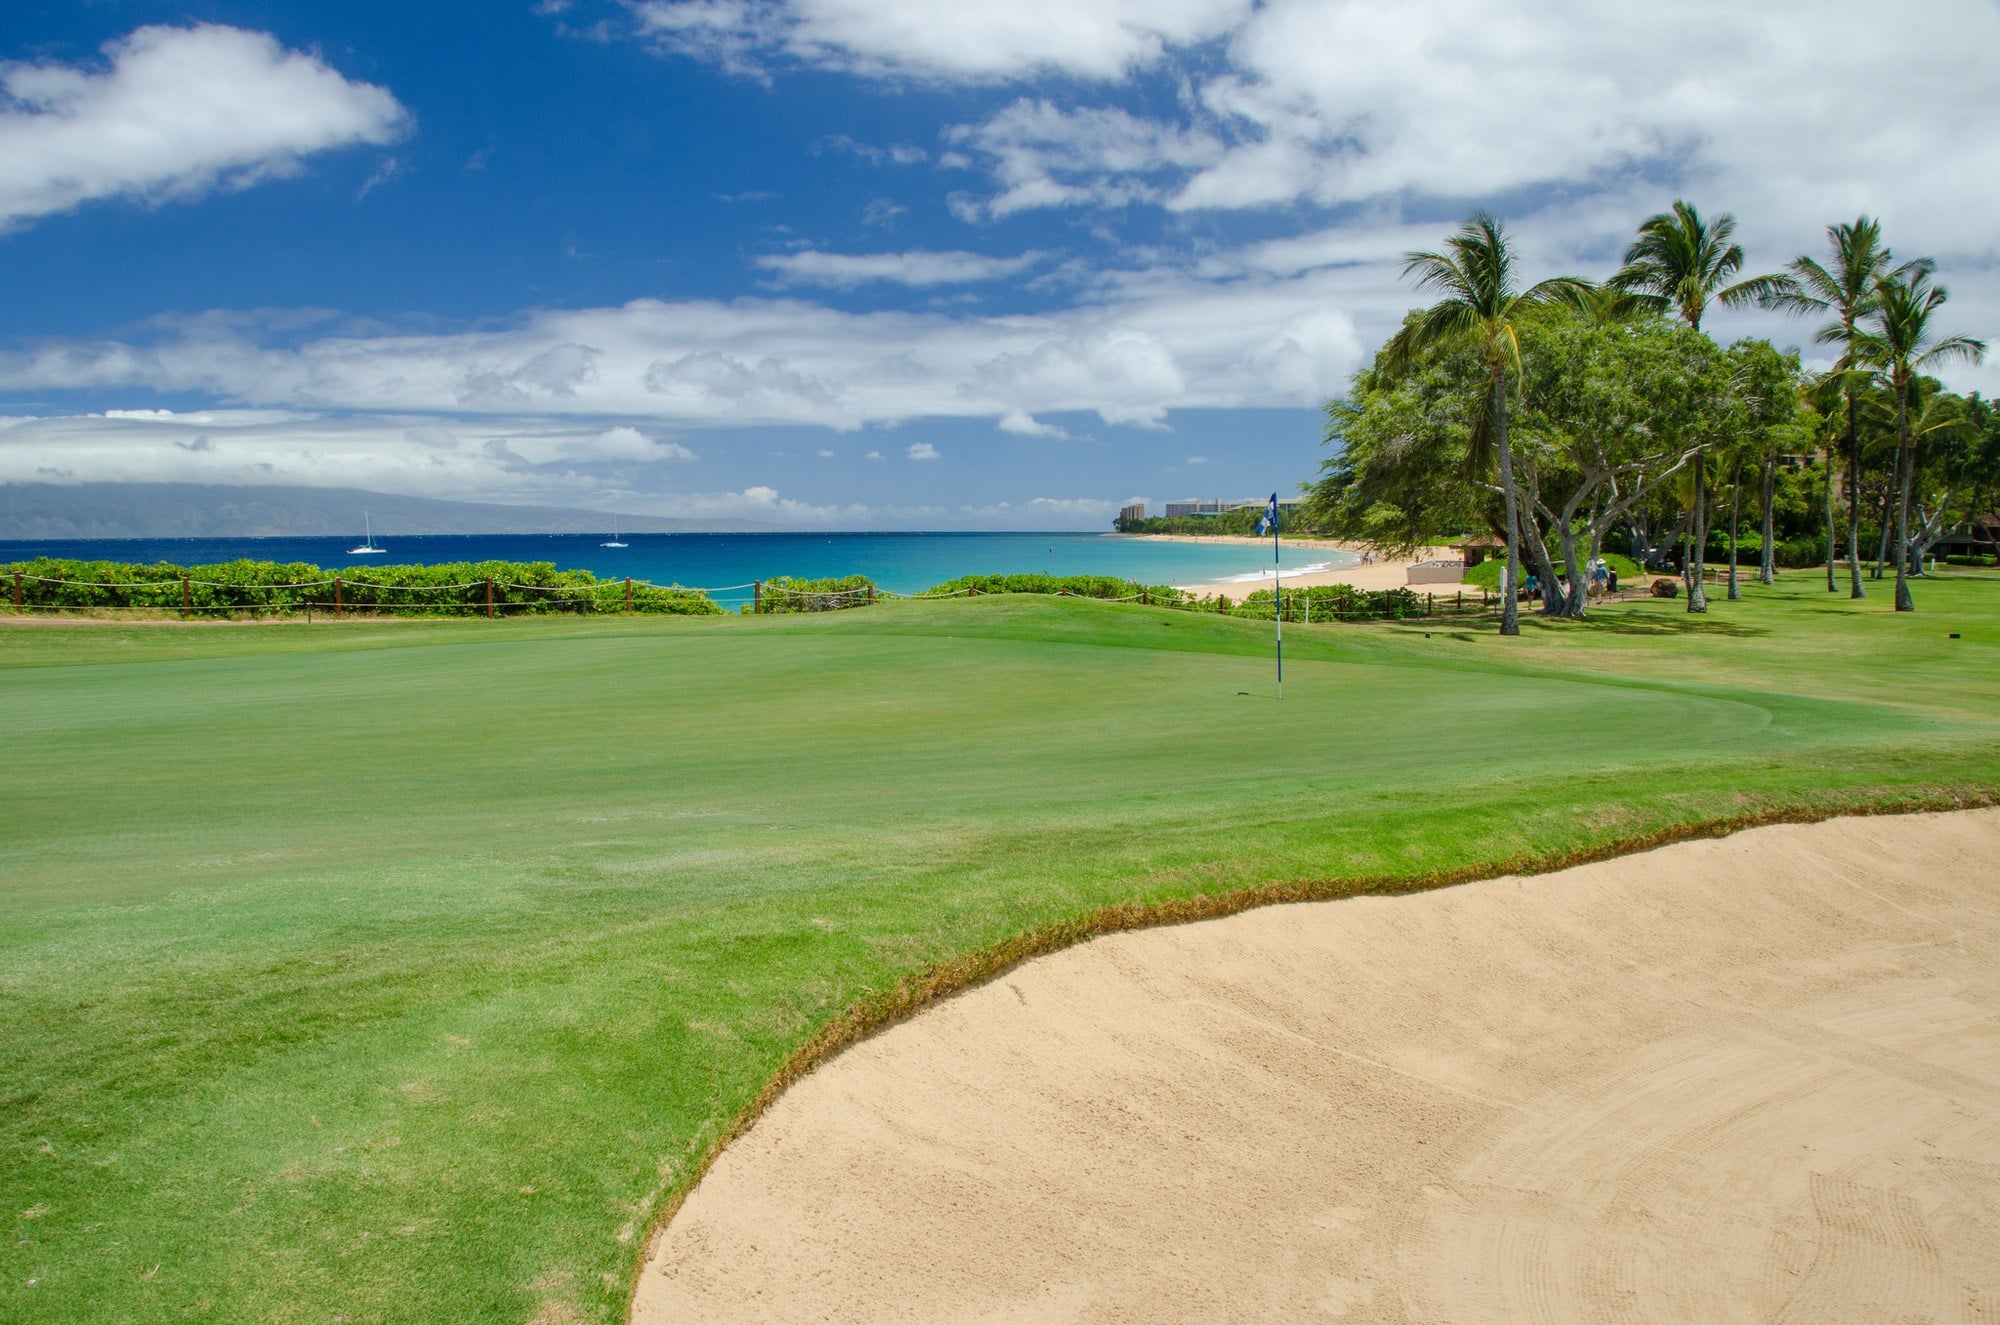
x=906 y=563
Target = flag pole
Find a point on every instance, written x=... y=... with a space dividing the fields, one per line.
x=1277 y=592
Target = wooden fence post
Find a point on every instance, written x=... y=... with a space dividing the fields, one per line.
x=184 y=597
x=1430 y=604
x=871 y=595
x=489 y=598
x=338 y=606
x=17 y=591
x=756 y=597
x=628 y=593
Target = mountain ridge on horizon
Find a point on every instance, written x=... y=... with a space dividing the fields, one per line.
x=218 y=510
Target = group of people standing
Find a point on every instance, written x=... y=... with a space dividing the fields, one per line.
x=1601 y=578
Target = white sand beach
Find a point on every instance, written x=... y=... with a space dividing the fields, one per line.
x=1747 y=1079
x=1380 y=574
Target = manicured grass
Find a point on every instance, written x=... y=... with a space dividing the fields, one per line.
x=401 y=971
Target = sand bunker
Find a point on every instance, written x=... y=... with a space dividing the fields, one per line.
x=1755 y=1079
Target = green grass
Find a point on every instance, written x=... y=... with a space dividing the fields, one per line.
x=403 y=971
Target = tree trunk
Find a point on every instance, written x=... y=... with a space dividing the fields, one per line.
x=1767 y=566
x=1832 y=585
x=1579 y=589
x=1735 y=526
x=1906 y=465
x=1888 y=509
x=1697 y=561
x=1854 y=589
x=1510 y=607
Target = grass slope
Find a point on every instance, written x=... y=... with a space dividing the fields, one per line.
x=401 y=971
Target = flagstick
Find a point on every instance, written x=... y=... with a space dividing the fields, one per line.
x=1278 y=600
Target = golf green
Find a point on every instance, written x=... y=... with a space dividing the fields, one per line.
x=401 y=971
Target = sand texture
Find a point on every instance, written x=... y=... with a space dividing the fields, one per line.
x=1392 y=573
x=1753 y=1079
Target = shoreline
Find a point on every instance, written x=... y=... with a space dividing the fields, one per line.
x=1390 y=574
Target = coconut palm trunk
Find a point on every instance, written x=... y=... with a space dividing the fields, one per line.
x=1854 y=589
x=1832 y=584
x=1697 y=561
x=1735 y=526
x=1767 y=563
x=1510 y=599
x=1905 y=472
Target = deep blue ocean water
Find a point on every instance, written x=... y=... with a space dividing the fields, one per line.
x=906 y=563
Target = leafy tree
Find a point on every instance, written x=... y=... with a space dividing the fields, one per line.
x=1400 y=473
x=1901 y=343
x=1482 y=304
x=1610 y=413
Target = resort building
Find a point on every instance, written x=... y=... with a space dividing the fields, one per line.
x=1136 y=511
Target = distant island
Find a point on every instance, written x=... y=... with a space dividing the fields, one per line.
x=211 y=510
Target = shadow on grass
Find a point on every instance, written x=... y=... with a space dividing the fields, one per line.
x=1685 y=623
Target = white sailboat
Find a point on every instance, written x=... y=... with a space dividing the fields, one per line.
x=367 y=548
x=614 y=541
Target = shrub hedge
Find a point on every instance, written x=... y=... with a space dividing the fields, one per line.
x=239 y=588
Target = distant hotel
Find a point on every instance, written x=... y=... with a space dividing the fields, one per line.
x=1136 y=511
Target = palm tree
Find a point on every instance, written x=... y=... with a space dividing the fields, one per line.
x=1681 y=262
x=1902 y=345
x=1821 y=394
x=1481 y=305
x=1844 y=287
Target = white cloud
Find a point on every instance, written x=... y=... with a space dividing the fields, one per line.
x=1023 y=424
x=1043 y=155
x=825 y=454
x=979 y=39
x=1151 y=343
x=896 y=154
x=915 y=268
x=628 y=443
x=1196 y=460
x=873 y=455
x=178 y=112
x=922 y=451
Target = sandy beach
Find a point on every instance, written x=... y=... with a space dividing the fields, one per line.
x=1748 y=1079
x=1390 y=574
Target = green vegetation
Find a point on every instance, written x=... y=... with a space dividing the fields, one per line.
x=253 y=588
x=785 y=593
x=403 y=970
x=1562 y=415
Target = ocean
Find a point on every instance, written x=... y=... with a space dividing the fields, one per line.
x=905 y=563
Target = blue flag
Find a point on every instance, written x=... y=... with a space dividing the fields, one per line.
x=1270 y=520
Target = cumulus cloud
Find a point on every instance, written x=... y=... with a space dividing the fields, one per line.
x=1342 y=102
x=1023 y=424
x=915 y=268
x=921 y=451
x=172 y=114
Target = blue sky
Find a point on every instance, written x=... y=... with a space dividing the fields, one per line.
x=875 y=263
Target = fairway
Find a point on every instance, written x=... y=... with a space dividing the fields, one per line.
x=402 y=971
